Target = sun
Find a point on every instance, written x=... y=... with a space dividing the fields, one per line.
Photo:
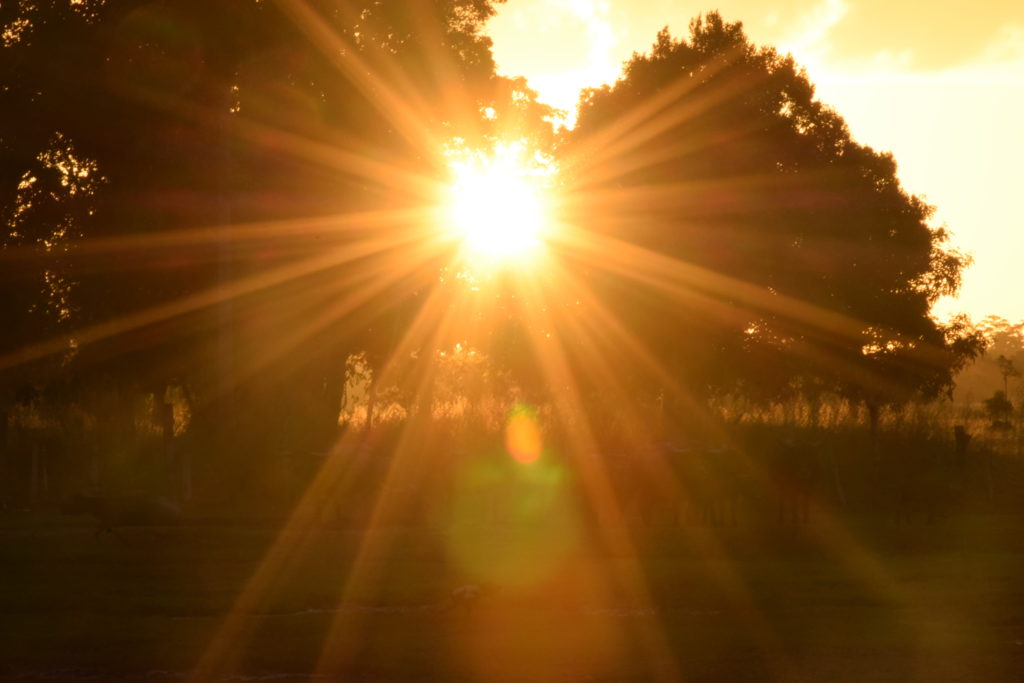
x=497 y=207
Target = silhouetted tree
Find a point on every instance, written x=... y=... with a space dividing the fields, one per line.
x=747 y=240
x=317 y=122
x=1007 y=369
x=998 y=407
x=1004 y=340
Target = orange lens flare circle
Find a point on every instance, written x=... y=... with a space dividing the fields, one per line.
x=522 y=435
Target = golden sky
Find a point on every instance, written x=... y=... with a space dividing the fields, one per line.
x=939 y=84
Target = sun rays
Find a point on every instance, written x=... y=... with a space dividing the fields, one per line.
x=331 y=277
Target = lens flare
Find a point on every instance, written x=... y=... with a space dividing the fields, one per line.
x=533 y=507
x=522 y=436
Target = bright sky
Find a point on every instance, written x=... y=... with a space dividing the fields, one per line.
x=939 y=84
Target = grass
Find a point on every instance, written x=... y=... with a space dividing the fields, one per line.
x=863 y=600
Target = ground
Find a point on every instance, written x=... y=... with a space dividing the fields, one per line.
x=857 y=601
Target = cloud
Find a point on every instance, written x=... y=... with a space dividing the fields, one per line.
x=815 y=26
x=937 y=35
x=560 y=45
x=1006 y=51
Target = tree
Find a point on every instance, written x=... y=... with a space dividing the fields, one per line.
x=302 y=119
x=749 y=242
x=999 y=409
x=1004 y=354
x=1007 y=369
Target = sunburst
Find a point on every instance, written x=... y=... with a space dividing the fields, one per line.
x=497 y=206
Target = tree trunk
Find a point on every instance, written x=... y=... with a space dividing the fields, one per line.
x=873 y=415
x=837 y=480
x=186 y=477
x=5 y=455
x=33 y=492
x=334 y=393
x=371 y=402
x=94 y=467
x=876 y=460
x=167 y=427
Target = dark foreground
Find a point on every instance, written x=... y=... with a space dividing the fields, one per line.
x=861 y=601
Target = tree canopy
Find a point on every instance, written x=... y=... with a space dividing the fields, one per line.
x=784 y=253
x=227 y=197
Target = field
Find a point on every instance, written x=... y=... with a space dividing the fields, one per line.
x=864 y=600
